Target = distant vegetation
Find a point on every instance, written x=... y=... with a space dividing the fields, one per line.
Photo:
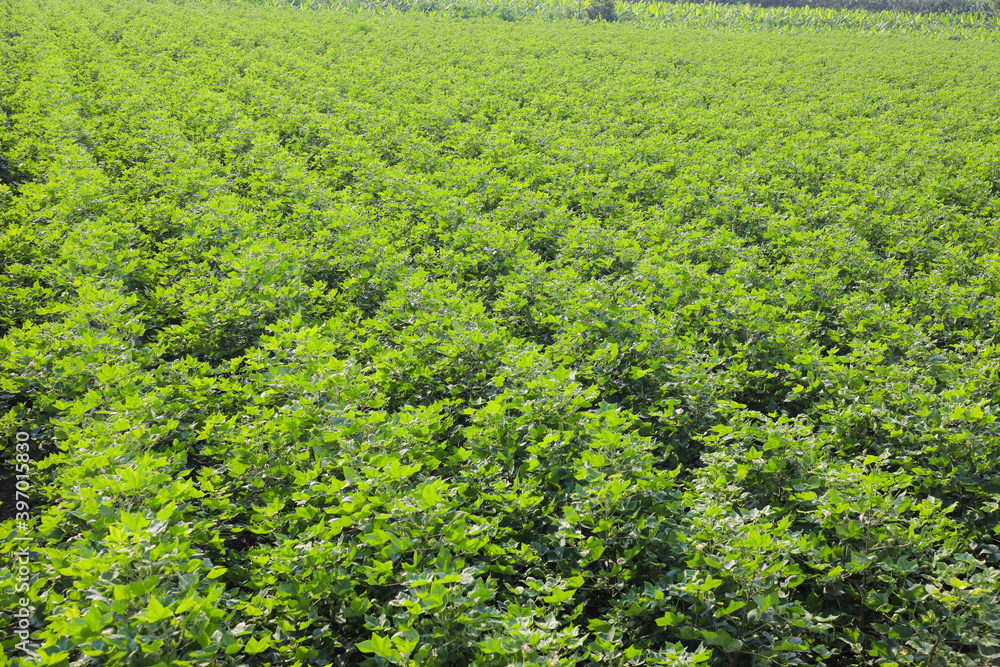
x=911 y=6
x=958 y=19
x=607 y=10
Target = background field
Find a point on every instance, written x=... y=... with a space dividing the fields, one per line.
x=355 y=339
x=668 y=11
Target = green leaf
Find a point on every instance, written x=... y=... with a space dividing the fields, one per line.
x=94 y=620
x=255 y=645
x=167 y=511
x=429 y=495
x=669 y=619
x=156 y=611
x=733 y=606
x=404 y=645
x=756 y=540
x=152 y=647
x=380 y=646
x=558 y=596
x=722 y=639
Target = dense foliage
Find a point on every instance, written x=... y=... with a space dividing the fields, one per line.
x=955 y=19
x=402 y=340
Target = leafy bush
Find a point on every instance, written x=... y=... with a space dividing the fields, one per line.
x=601 y=9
